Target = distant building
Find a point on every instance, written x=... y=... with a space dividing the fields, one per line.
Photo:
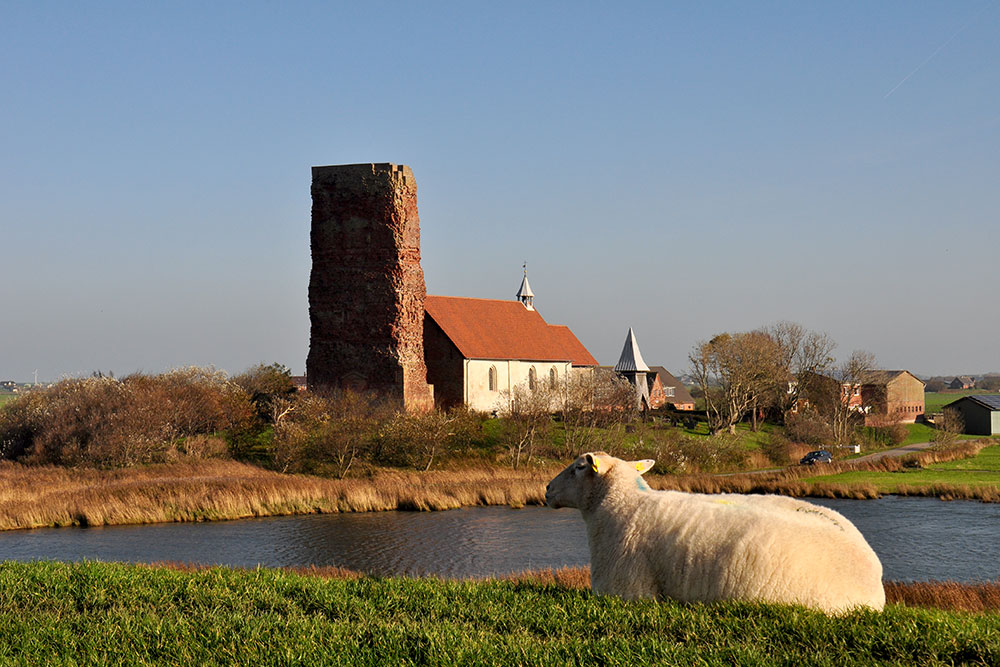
x=891 y=396
x=631 y=367
x=962 y=382
x=475 y=350
x=980 y=413
x=665 y=389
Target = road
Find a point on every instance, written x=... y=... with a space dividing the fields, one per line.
x=898 y=451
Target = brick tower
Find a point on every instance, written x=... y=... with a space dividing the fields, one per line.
x=366 y=290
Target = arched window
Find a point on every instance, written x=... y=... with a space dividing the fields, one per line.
x=493 y=378
x=553 y=377
x=532 y=378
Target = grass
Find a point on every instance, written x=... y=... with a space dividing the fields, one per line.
x=934 y=401
x=6 y=397
x=979 y=471
x=96 y=613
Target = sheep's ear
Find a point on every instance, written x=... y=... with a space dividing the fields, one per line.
x=595 y=463
x=644 y=465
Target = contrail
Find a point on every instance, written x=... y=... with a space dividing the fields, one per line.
x=938 y=49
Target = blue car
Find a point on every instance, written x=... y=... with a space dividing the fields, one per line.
x=819 y=456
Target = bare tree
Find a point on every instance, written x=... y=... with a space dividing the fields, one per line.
x=805 y=356
x=949 y=426
x=845 y=402
x=596 y=409
x=735 y=372
x=526 y=416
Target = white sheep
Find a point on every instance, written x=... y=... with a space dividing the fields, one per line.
x=697 y=547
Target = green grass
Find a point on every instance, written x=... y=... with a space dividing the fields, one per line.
x=103 y=613
x=980 y=470
x=918 y=433
x=934 y=401
x=6 y=397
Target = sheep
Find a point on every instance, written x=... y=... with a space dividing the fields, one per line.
x=694 y=547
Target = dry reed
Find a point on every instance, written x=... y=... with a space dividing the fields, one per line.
x=33 y=497
x=202 y=490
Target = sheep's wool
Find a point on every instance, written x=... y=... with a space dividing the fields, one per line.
x=705 y=548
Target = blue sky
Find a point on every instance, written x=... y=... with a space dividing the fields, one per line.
x=681 y=168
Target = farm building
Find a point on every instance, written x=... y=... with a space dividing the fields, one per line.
x=894 y=396
x=962 y=382
x=981 y=413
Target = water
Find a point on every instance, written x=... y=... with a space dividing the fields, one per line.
x=917 y=539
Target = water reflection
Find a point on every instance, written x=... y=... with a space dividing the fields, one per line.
x=917 y=539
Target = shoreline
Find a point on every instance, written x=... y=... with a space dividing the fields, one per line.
x=218 y=490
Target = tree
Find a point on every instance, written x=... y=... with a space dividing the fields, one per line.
x=267 y=385
x=735 y=373
x=596 y=409
x=845 y=403
x=805 y=355
x=526 y=416
x=949 y=426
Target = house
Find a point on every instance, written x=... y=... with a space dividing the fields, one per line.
x=477 y=349
x=891 y=396
x=962 y=382
x=666 y=390
x=980 y=413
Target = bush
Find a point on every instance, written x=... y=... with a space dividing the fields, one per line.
x=679 y=453
x=808 y=429
x=101 y=421
x=266 y=385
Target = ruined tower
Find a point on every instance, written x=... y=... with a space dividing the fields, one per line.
x=366 y=290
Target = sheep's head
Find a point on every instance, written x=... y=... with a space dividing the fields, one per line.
x=581 y=480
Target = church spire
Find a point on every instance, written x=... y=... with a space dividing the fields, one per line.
x=524 y=293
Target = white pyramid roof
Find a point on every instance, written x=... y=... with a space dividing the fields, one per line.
x=631 y=359
x=525 y=289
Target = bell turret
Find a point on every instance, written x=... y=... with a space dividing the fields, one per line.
x=524 y=293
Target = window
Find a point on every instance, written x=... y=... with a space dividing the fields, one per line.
x=493 y=378
x=532 y=378
x=669 y=391
x=553 y=377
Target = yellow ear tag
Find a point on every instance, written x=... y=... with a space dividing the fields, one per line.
x=595 y=466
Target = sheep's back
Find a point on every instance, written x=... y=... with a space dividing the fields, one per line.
x=715 y=547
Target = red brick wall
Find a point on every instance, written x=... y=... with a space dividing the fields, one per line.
x=366 y=289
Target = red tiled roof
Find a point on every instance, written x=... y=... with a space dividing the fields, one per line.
x=578 y=353
x=494 y=329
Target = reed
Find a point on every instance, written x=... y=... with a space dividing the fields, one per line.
x=33 y=497
x=203 y=490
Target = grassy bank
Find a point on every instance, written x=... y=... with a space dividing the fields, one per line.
x=973 y=477
x=99 y=613
x=33 y=497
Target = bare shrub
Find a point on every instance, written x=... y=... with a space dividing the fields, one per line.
x=809 y=429
x=596 y=409
x=266 y=385
x=330 y=434
x=107 y=422
x=949 y=426
x=417 y=440
x=526 y=418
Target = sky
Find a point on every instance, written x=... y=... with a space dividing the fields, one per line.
x=681 y=168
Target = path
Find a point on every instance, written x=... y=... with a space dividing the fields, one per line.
x=898 y=451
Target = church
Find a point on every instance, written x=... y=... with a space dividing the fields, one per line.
x=478 y=350
x=373 y=328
